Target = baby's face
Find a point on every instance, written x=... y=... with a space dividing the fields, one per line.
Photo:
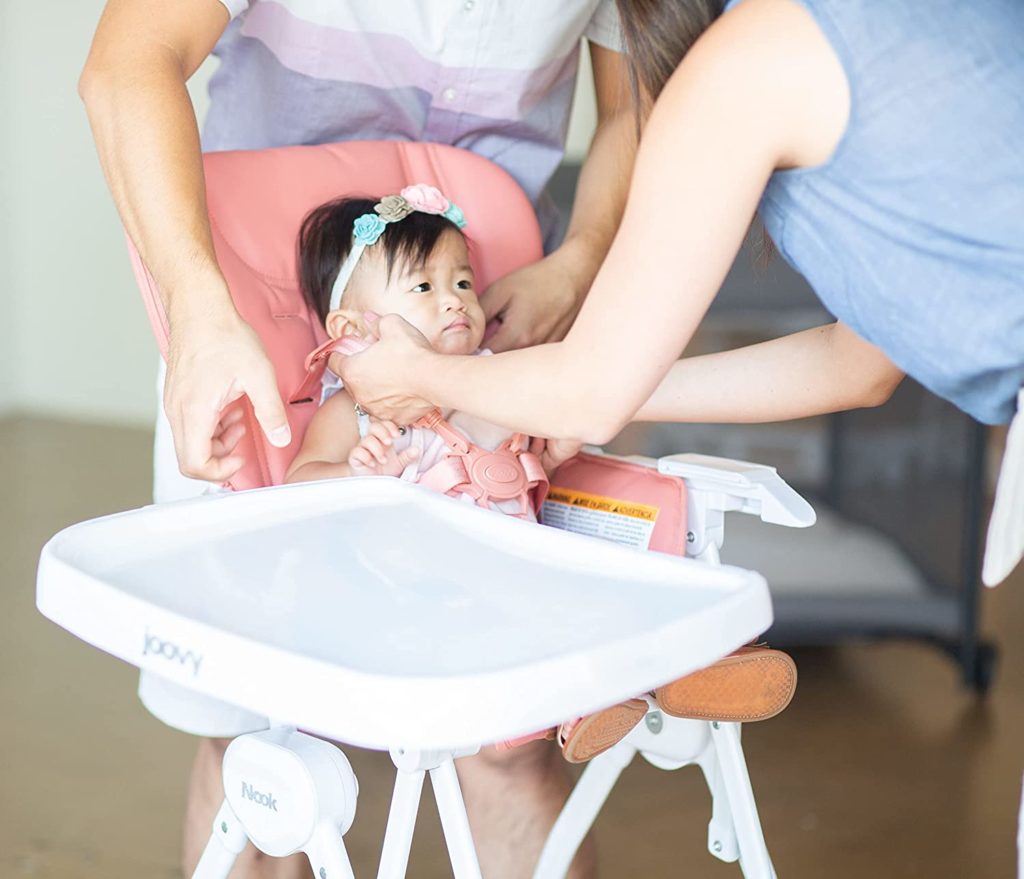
x=438 y=298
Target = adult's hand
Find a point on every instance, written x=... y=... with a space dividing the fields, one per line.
x=534 y=304
x=210 y=365
x=381 y=376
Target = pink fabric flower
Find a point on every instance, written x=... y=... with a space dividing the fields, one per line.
x=425 y=198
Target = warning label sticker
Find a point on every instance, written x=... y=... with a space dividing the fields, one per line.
x=606 y=517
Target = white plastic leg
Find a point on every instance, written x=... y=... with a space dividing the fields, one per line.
x=754 y=859
x=405 y=803
x=581 y=809
x=326 y=853
x=227 y=840
x=722 y=842
x=454 y=821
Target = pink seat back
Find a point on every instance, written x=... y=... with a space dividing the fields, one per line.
x=257 y=200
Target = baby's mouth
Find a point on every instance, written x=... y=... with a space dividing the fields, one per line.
x=460 y=323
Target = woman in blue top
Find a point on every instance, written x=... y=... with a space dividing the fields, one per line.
x=883 y=145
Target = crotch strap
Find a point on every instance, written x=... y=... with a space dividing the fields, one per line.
x=510 y=472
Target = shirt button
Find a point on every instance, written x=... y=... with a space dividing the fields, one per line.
x=449 y=95
x=468 y=5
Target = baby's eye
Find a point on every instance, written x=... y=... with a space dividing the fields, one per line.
x=422 y=288
x=465 y=285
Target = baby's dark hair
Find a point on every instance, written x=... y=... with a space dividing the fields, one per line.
x=325 y=239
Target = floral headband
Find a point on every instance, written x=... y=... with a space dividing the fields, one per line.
x=391 y=209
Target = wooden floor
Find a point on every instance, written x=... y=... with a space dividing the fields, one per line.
x=882 y=767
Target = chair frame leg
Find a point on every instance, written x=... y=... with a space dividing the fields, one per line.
x=754 y=859
x=405 y=803
x=581 y=810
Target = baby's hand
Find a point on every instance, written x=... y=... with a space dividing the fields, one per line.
x=554 y=452
x=376 y=456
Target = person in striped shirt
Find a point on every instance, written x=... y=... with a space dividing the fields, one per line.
x=493 y=76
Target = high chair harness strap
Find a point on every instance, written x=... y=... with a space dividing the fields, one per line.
x=316 y=363
x=510 y=472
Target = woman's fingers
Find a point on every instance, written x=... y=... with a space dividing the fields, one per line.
x=354 y=345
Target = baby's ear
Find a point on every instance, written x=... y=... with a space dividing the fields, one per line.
x=345 y=322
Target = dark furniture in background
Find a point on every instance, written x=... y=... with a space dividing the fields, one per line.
x=906 y=480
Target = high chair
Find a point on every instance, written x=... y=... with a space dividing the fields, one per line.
x=300 y=603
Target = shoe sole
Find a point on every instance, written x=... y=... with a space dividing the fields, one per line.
x=602 y=730
x=743 y=688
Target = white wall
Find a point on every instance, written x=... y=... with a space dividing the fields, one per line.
x=74 y=340
x=81 y=343
x=584 y=112
x=8 y=362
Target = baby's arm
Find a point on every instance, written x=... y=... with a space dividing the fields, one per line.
x=332 y=447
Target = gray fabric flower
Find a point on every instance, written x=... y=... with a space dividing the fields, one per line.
x=393 y=208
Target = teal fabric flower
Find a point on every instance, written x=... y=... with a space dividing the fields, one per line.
x=367 y=229
x=454 y=213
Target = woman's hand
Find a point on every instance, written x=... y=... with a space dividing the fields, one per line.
x=376 y=456
x=211 y=363
x=381 y=377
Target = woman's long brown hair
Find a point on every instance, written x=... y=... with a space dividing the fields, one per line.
x=658 y=34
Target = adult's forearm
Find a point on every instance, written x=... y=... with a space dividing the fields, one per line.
x=601 y=194
x=548 y=391
x=826 y=369
x=148 y=144
x=604 y=178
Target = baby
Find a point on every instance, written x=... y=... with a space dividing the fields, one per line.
x=406 y=254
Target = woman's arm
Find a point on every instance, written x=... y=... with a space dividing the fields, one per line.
x=826 y=369
x=761 y=89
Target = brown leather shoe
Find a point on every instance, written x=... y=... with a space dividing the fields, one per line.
x=754 y=683
x=586 y=737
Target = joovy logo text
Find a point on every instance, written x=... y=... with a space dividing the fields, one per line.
x=171 y=652
x=263 y=799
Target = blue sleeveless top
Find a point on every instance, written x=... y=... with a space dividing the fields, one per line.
x=912 y=233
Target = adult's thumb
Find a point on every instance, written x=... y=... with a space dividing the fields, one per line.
x=269 y=411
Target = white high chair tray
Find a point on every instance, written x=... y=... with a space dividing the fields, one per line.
x=381 y=614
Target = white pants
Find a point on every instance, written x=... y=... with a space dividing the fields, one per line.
x=1004 y=545
x=175 y=705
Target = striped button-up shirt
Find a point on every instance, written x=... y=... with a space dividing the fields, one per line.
x=493 y=76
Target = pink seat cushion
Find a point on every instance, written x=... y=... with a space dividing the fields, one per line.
x=257 y=200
